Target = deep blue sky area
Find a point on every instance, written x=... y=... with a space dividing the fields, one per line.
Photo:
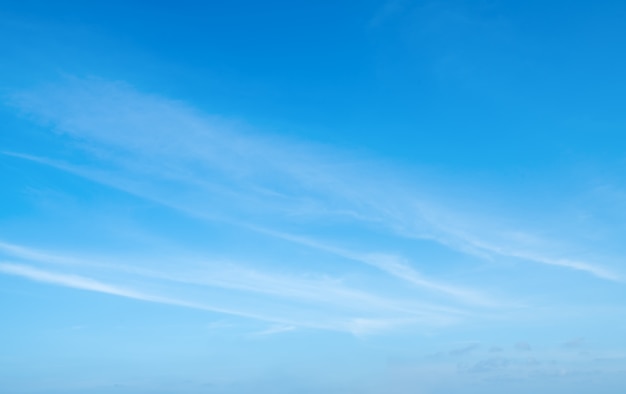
x=379 y=197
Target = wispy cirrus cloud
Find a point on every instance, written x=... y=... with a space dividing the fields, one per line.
x=394 y=265
x=138 y=141
x=301 y=301
x=75 y=281
x=205 y=167
x=310 y=320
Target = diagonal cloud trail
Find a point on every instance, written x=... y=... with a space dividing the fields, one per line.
x=390 y=264
x=310 y=291
x=393 y=265
x=357 y=326
x=167 y=152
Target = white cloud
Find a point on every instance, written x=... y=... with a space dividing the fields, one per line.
x=305 y=298
x=88 y=284
x=170 y=153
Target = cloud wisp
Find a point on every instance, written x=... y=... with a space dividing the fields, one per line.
x=89 y=284
x=395 y=266
x=206 y=168
x=308 y=302
x=148 y=146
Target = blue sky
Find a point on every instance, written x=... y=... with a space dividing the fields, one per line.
x=302 y=197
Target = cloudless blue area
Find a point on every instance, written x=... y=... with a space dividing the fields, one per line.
x=312 y=197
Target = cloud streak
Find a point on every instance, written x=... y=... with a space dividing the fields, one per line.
x=389 y=263
x=393 y=265
x=147 y=144
x=206 y=168
x=352 y=325
x=326 y=298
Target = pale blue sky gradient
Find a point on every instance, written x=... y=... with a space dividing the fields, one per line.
x=312 y=197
